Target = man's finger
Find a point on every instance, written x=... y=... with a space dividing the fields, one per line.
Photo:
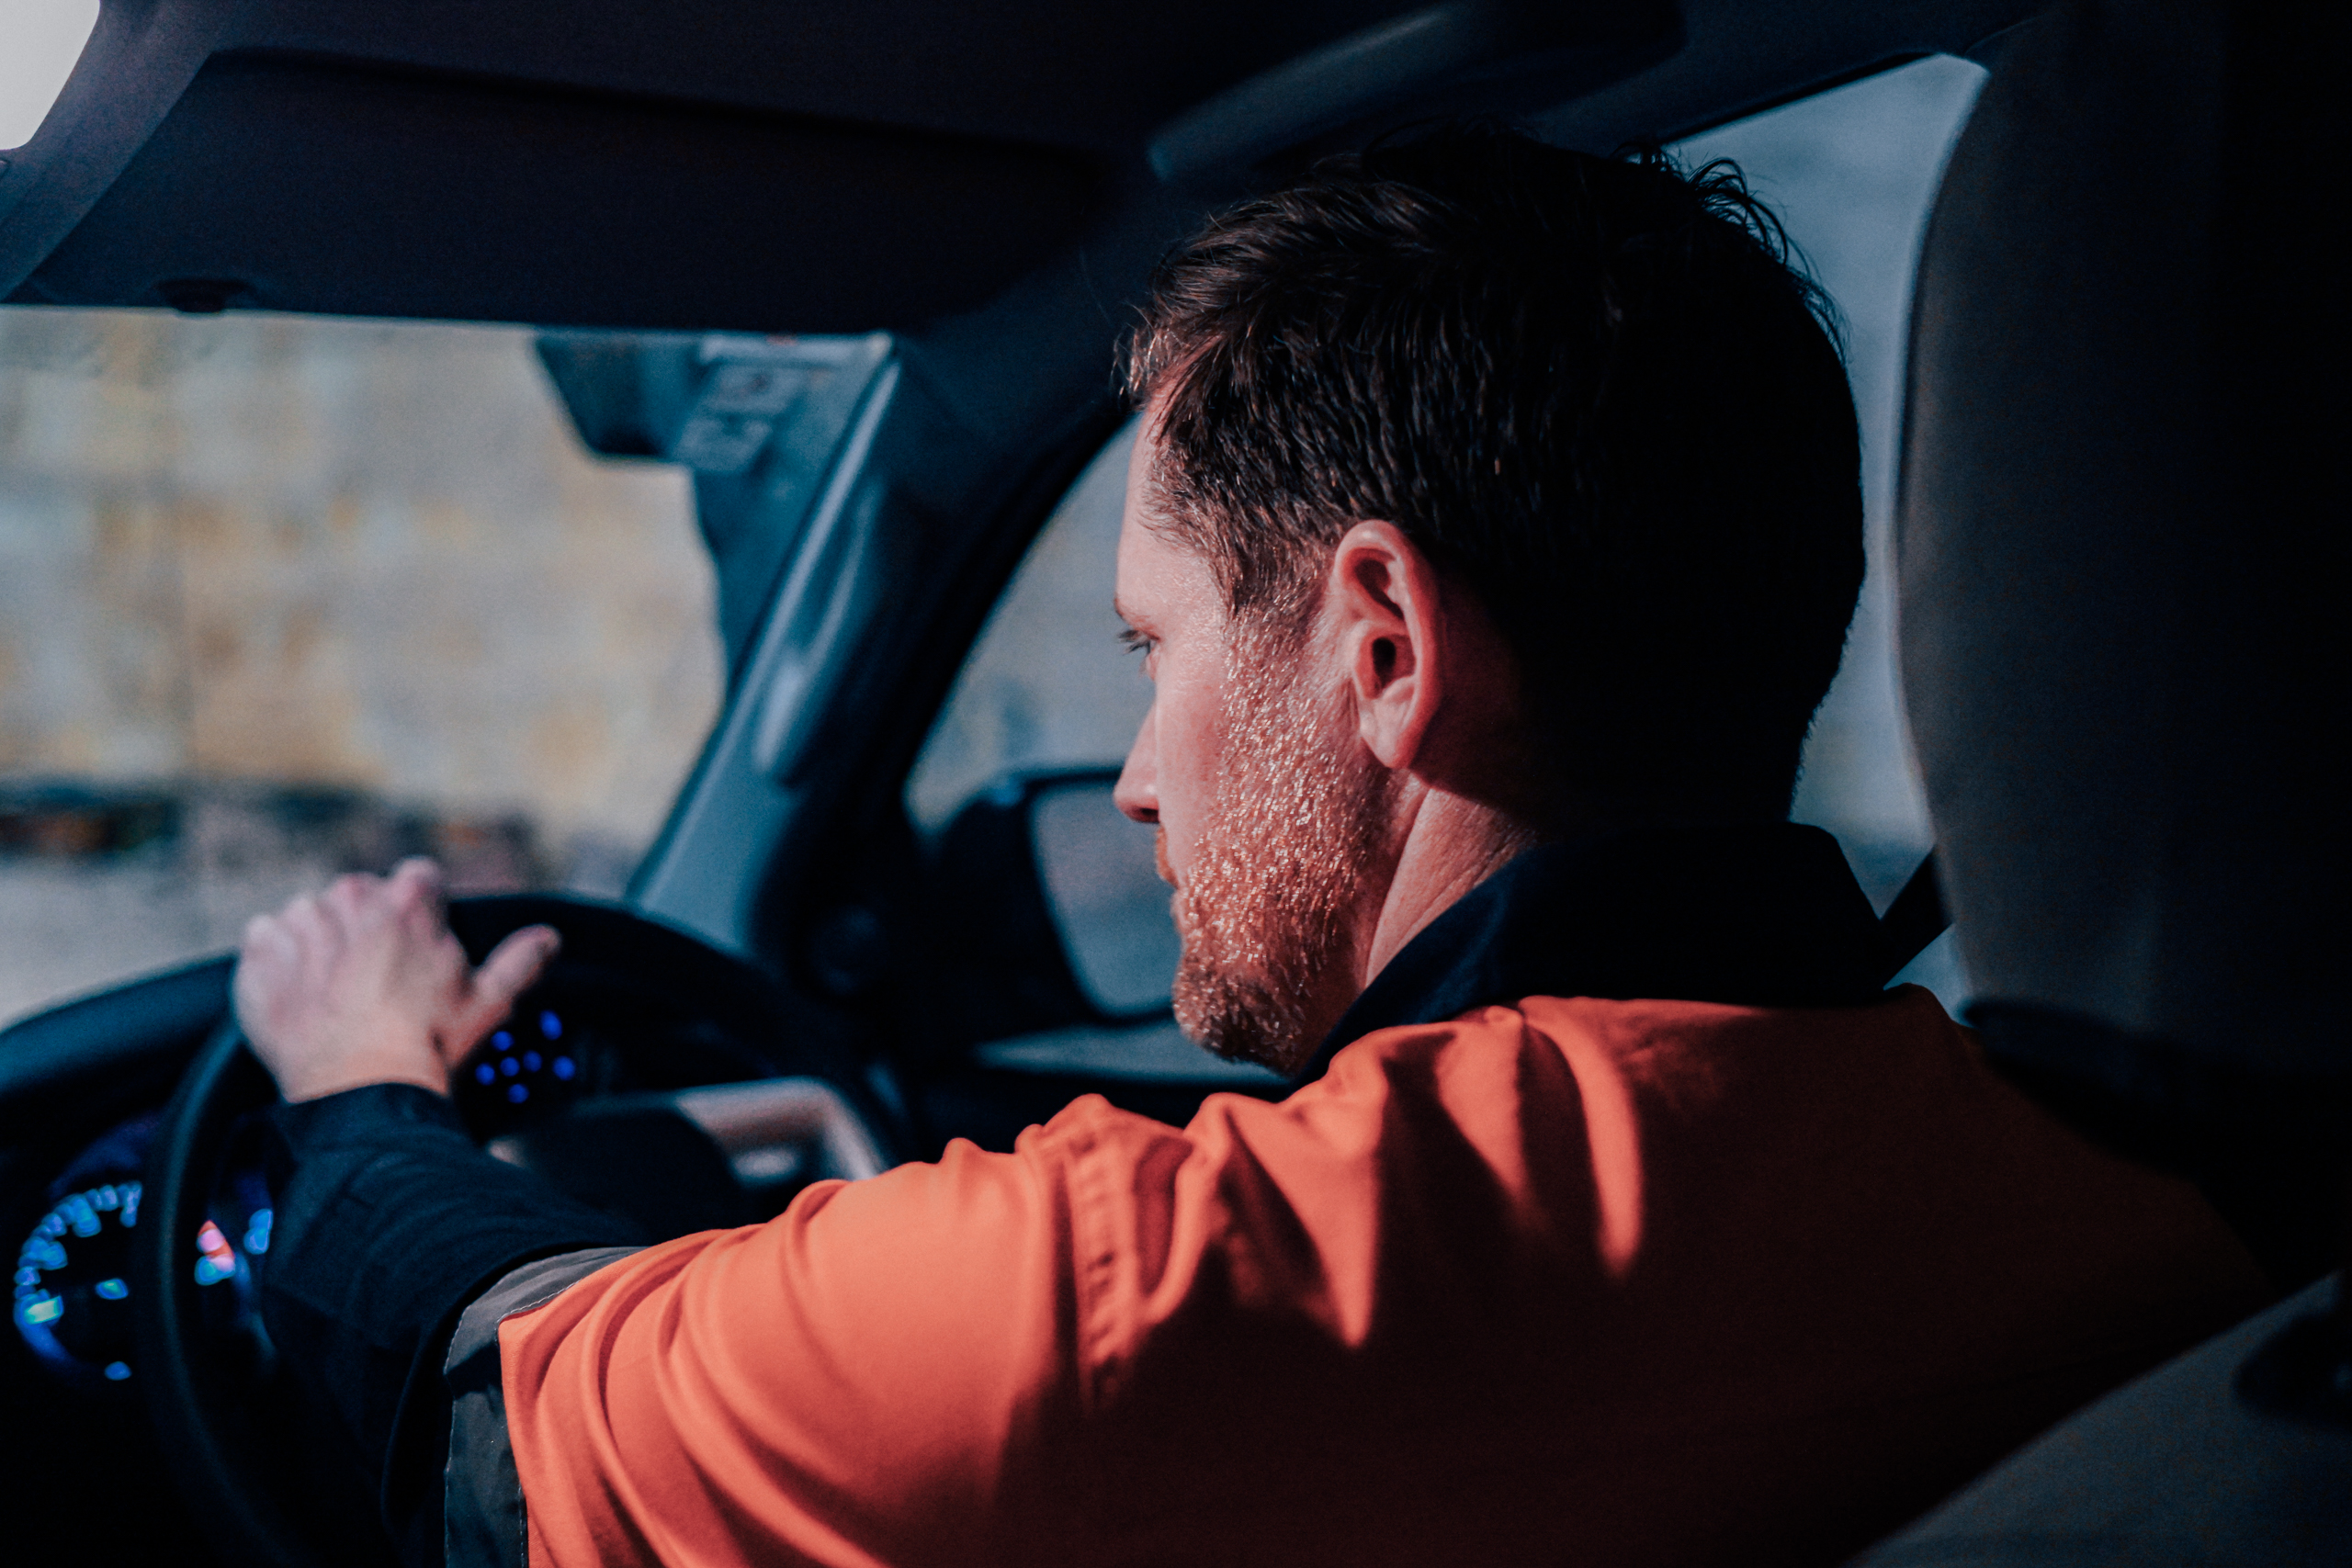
x=348 y=892
x=506 y=973
x=309 y=923
x=514 y=963
x=420 y=877
x=266 y=934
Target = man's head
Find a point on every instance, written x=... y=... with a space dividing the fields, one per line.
x=1486 y=489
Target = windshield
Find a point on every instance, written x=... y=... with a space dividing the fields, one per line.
x=285 y=596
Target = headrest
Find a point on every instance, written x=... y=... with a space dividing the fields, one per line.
x=2121 y=556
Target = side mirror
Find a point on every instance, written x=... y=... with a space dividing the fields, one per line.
x=1103 y=887
x=1050 y=909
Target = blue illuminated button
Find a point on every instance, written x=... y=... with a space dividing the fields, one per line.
x=563 y=1068
x=37 y=1310
x=502 y=1040
x=485 y=1074
x=509 y=1065
x=118 y=1370
x=257 y=1231
x=111 y=1290
x=550 y=1026
x=531 y=1060
x=516 y=1094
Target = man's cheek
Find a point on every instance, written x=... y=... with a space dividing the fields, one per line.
x=1187 y=818
x=1191 y=732
x=1178 y=847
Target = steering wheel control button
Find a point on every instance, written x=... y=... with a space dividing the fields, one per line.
x=518 y=1077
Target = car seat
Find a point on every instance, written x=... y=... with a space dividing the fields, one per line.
x=2122 y=612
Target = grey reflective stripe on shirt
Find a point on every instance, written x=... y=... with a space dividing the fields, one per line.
x=483 y=1524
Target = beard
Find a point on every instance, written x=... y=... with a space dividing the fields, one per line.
x=1295 y=833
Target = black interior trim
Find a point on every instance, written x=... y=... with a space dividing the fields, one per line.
x=1914 y=921
x=300 y=182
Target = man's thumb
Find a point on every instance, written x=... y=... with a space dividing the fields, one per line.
x=506 y=973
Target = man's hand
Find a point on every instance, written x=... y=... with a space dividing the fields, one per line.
x=364 y=984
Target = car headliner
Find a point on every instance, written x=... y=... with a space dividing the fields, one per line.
x=782 y=166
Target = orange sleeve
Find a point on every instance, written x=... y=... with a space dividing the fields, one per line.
x=922 y=1368
x=840 y=1385
x=1581 y=1280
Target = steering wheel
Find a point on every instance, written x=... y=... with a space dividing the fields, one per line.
x=227 y=1424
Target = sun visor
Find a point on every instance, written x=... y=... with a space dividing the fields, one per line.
x=1485 y=57
x=295 y=183
x=73 y=110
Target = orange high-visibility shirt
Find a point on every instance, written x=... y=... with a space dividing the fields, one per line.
x=1591 y=1281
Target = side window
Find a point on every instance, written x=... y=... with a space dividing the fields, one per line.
x=1047 y=689
x=1044 y=686
x=1851 y=172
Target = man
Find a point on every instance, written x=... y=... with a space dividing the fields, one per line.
x=1490 y=543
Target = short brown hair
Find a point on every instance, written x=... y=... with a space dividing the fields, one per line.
x=1599 y=393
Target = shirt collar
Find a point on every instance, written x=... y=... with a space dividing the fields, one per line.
x=1762 y=915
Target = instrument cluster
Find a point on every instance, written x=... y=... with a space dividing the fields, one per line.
x=72 y=1295
x=73 y=1301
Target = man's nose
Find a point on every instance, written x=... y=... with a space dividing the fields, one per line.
x=1137 y=794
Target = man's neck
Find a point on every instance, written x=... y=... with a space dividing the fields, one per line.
x=1451 y=844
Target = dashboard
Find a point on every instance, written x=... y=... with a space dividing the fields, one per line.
x=636 y=1030
x=72 y=1296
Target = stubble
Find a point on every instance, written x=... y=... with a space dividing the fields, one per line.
x=1295 y=831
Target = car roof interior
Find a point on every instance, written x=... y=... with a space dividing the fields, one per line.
x=794 y=167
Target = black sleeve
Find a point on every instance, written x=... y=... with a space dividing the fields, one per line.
x=486 y=1523
x=389 y=1221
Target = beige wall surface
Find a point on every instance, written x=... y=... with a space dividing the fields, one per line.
x=251 y=554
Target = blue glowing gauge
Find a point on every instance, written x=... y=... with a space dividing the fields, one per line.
x=71 y=1302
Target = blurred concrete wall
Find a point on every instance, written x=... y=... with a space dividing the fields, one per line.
x=363 y=568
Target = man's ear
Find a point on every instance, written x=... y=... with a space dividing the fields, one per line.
x=1387 y=610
